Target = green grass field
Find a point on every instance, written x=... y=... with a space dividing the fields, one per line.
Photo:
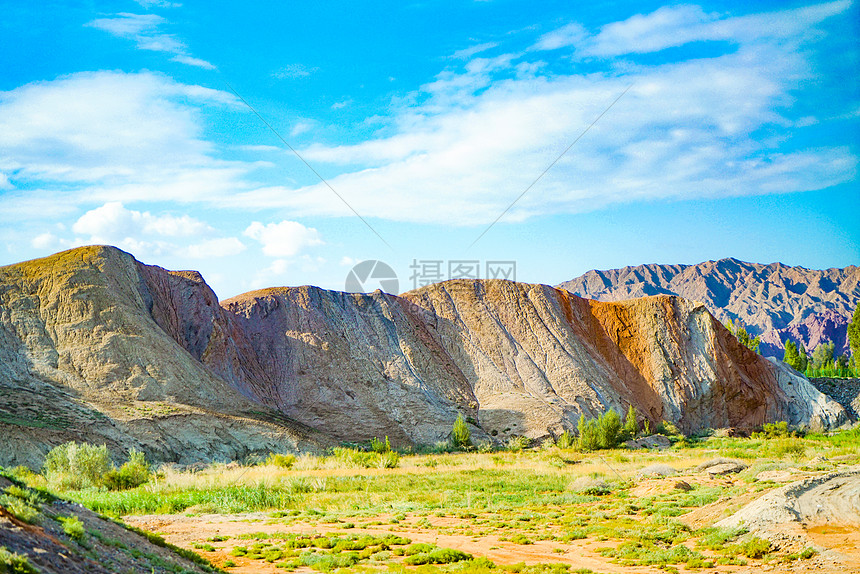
x=546 y=505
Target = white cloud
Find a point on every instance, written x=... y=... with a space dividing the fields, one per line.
x=113 y=221
x=46 y=241
x=146 y=234
x=686 y=129
x=284 y=239
x=158 y=4
x=293 y=71
x=671 y=26
x=221 y=247
x=341 y=104
x=120 y=136
x=4 y=182
x=568 y=35
x=467 y=53
x=182 y=59
x=144 y=30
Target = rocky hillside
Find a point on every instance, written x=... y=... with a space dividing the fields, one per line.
x=775 y=301
x=88 y=351
x=96 y=346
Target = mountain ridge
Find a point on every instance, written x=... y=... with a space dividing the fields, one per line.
x=774 y=301
x=97 y=346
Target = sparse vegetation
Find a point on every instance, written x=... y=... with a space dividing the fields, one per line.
x=461 y=436
x=521 y=496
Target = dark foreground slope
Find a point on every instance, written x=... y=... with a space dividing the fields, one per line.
x=775 y=301
x=39 y=533
x=96 y=346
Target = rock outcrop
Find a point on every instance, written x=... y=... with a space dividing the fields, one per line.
x=775 y=301
x=96 y=346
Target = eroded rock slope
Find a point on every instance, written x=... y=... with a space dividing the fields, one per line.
x=96 y=346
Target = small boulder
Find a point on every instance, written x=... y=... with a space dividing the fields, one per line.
x=683 y=485
x=656 y=470
x=717 y=461
x=725 y=468
x=657 y=441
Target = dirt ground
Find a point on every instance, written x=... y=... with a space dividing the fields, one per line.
x=812 y=509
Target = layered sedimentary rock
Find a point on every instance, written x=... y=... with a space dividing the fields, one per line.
x=775 y=301
x=99 y=347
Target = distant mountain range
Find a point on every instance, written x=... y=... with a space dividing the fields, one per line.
x=774 y=301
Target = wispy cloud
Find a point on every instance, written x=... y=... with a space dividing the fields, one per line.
x=467 y=53
x=293 y=71
x=158 y=4
x=672 y=26
x=111 y=135
x=687 y=129
x=145 y=31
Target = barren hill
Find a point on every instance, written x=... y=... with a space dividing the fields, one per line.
x=97 y=346
x=775 y=301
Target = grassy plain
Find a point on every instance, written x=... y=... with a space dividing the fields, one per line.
x=543 y=509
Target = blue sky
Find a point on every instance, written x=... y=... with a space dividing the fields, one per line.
x=738 y=135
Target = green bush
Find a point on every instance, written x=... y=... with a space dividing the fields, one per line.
x=518 y=443
x=609 y=429
x=281 y=460
x=461 y=436
x=587 y=439
x=437 y=556
x=388 y=459
x=602 y=432
x=20 y=509
x=131 y=474
x=73 y=527
x=74 y=466
x=15 y=563
x=776 y=430
x=631 y=427
x=565 y=440
x=379 y=446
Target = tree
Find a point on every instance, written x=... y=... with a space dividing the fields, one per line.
x=738 y=330
x=804 y=358
x=461 y=436
x=854 y=334
x=792 y=357
x=822 y=356
x=631 y=427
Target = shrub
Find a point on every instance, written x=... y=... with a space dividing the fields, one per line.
x=631 y=427
x=565 y=440
x=281 y=460
x=20 y=509
x=518 y=443
x=461 y=436
x=379 y=446
x=73 y=527
x=437 y=556
x=389 y=459
x=74 y=466
x=602 y=432
x=776 y=430
x=132 y=474
x=608 y=429
x=587 y=434
x=10 y=562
